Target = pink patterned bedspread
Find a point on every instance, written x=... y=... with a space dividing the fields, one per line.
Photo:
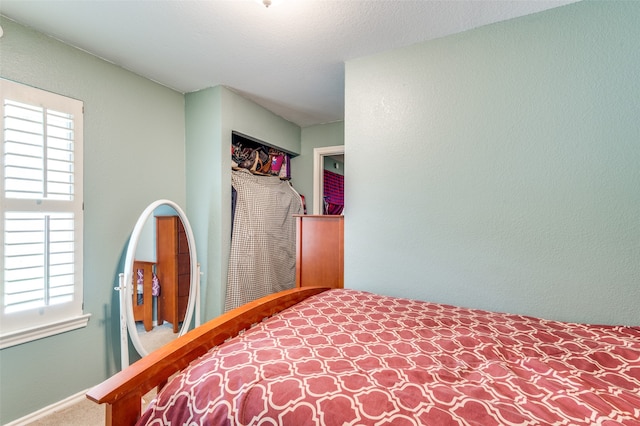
x=346 y=357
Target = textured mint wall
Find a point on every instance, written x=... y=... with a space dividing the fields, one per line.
x=134 y=154
x=499 y=168
x=330 y=165
x=211 y=115
x=206 y=191
x=319 y=136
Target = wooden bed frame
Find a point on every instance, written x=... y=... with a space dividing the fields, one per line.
x=123 y=392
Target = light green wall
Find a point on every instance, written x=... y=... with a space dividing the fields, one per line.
x=499 y=168
x=207 y=190
x=212 y=115
x=319 y=136
x=333 y=165
x=133 y=154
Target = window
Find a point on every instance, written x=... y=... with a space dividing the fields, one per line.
x=41 y=208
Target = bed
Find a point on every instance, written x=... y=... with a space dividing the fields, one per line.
x=334 y=357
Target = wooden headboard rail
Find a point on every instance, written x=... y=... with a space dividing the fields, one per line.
x=123 y=392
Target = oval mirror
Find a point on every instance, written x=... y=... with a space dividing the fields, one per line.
x=160 y=276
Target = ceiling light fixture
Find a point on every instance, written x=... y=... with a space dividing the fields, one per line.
x=267 y=3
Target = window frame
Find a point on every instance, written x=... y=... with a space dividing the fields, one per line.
x=31 y=324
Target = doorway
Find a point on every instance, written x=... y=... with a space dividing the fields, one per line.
x=319 y=155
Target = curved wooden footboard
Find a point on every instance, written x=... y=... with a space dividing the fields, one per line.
x=123 y=392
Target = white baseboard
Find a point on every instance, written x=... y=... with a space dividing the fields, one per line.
x=43 y=412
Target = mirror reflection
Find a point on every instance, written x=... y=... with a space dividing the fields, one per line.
x=161 y=278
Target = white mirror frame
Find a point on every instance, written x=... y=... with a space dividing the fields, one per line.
x=318 y=175
x=126 y=282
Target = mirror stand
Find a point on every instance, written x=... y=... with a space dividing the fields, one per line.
x=124 y=333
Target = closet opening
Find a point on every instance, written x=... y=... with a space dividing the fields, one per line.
x=262 y=258
x=259 y=157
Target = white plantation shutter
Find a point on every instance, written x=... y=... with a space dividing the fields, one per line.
x=39 y=260
x=38 y=152
x=41 y=227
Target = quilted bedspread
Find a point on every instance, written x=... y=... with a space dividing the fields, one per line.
x=346 y=357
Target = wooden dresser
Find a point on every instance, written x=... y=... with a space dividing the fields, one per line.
x=320 y=251
x=173 y=270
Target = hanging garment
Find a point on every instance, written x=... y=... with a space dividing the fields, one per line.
x=263 y=247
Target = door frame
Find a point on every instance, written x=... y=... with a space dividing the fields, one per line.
x=318 y=173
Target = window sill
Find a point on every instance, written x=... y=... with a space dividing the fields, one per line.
x=39 y=332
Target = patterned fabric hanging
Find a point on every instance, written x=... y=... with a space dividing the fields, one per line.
x=263 y=248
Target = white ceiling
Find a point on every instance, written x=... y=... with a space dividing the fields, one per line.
x=288 y=58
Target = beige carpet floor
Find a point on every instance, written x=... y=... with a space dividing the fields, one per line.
x=83 y=413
